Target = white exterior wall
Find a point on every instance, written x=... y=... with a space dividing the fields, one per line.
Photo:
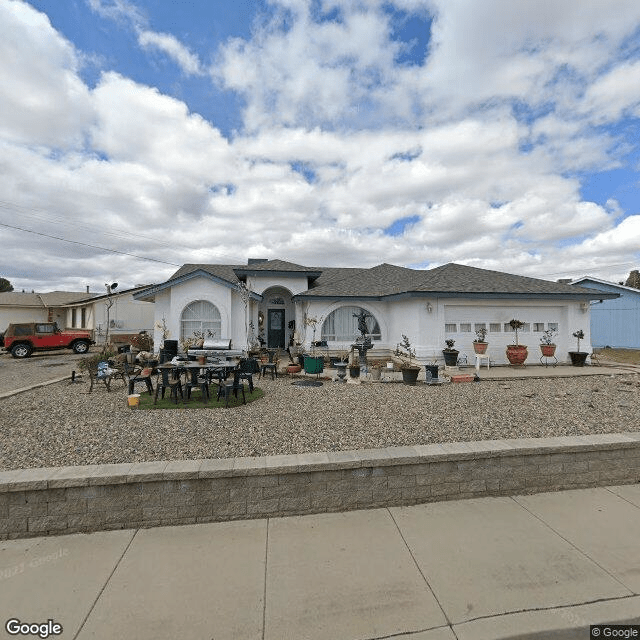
x=567 y=314
x=295 y=284
x=426 y=329
x=13 y=315
x=170 y=303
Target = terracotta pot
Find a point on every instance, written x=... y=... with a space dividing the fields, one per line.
x=517 y=353
x=480 y=347
x=548 y=350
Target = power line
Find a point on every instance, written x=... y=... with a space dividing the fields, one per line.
x=92 y=246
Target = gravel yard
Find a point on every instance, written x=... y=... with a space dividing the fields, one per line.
x=63 y=424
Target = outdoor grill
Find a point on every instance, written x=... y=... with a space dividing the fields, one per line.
x=215 y=348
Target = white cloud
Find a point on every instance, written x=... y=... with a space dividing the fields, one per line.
x=129 y=14
x=170 y=45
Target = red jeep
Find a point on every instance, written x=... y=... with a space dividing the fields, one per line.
x=25 y=338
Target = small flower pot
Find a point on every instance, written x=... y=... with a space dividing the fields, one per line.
x=548 y=350
x=431 y=370
x=354 y=372
x=480 y=347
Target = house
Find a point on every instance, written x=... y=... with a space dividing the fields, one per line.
x=284 y=302
x=614 y=322
x=18 y=307
x=118 y=311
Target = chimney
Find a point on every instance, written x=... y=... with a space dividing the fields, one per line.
x=87 y=288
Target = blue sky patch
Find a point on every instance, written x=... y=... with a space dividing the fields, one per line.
x=399 y=226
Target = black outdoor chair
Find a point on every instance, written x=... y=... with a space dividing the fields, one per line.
x=136 y=375
x=271 y=366
x=227 y=388
x=168 y=381
x=247 y=368
x=197 y=381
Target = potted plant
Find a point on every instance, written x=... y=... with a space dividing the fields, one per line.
x=516 y=353
x=480 y=344
x=547 y=346
x=450 y=354
x=578 y=358
x=409 y=370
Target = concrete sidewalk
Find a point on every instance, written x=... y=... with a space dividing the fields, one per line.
x=545 y=565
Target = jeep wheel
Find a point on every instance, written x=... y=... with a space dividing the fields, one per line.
x=81 y=346
x=21 y=351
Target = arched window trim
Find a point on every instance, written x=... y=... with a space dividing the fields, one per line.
x=205 y=317
x=347 y=329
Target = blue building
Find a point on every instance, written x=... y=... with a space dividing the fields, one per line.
x=614 y=323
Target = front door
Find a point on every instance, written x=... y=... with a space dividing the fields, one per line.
x=275 y=328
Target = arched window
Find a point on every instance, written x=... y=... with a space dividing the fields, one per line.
x=200 y=315
x=341 y=325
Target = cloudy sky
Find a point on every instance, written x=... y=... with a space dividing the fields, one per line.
x=497 y=134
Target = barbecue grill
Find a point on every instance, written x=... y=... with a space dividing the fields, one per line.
x=215 y=348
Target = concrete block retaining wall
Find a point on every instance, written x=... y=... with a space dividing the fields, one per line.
x=36 y=502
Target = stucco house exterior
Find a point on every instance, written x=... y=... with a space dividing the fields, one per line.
x=614 y=322
x=428 y=306
x=126 y=314
x=18 y=307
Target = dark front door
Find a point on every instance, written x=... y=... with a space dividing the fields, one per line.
x=275 y=328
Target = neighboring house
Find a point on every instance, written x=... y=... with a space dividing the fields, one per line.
x=126 y=314
x=428 y=306
x=614 y=322
x=36 y=307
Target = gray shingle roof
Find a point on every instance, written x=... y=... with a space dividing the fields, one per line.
x=389 y=280
x=386 y=280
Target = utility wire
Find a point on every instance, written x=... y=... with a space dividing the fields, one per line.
x=92 y=246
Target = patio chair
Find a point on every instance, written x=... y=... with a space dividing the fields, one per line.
x=166 y=380
x=100 y=371
x=272 y=365
x=136 y=375
x=227 y=388
x=247 y=368
x=197 y=381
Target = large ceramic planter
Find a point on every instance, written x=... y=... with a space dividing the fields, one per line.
x=354 y=372
x=450 y=357
x=410 y=375
x=548 y=350
x=480 y=347
x=578 y=358
x=313 y=364
x=517 y=354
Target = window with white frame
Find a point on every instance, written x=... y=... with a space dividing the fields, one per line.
x=538 y=327
x=465 y=327
x=495 y=327
x=341 y=325
x=552 y=325
x=200 y=315
x=480 y=325
x=450 y=327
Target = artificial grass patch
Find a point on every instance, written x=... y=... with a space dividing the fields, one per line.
x=146 y=401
